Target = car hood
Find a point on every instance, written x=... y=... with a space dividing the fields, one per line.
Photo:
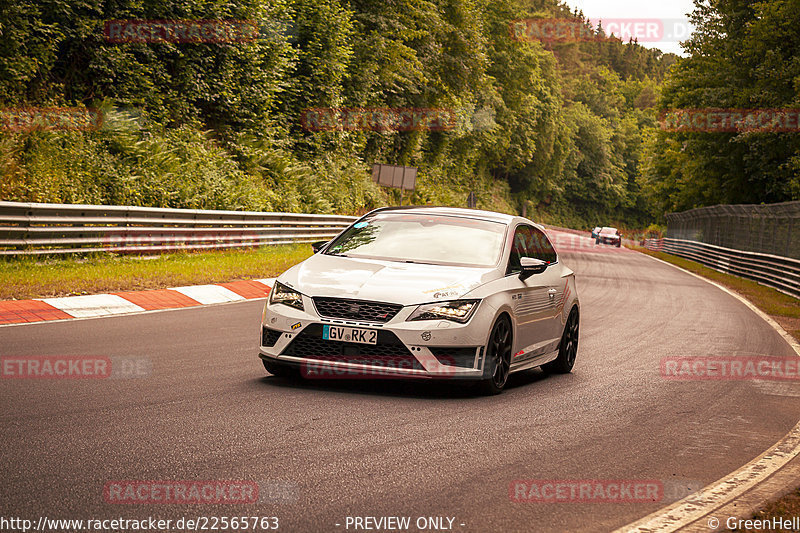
x=383 y=281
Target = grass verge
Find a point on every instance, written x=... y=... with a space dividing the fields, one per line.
x=784 y=509
x=785 y=310
x=30 y=277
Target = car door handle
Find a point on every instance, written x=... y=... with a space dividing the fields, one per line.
x=552 y=293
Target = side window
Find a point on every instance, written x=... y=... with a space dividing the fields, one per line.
x=519 y=248
x=540 y=247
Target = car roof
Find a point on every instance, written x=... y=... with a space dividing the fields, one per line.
x=450 y=211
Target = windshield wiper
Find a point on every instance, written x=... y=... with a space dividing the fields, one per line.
x=409 y=261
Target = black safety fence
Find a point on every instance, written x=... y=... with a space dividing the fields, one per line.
x=767 y=229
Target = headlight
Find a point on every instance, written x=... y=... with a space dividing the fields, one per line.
x=457 y=311
x=281 y=294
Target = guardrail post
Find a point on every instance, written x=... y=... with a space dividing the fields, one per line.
x=25 y=224
x=774 y=245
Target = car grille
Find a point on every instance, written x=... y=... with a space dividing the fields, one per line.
x=356 y=309
x=269 y=337
x=460 y=357
x=389 y=352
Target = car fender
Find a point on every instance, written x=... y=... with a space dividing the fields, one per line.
x=492 y=307
x=571 y=297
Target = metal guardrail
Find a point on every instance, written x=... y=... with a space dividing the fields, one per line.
x=36 y=229
x=781 y=273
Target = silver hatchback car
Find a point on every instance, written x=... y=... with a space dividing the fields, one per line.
x=425 y=292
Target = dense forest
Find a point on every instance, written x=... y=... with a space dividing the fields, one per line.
x=743 y=55
x=567 y=131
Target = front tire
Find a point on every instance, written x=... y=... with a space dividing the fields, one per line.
x=498 y=358
x=568 y=349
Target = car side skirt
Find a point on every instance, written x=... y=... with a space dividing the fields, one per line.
x=534 y=362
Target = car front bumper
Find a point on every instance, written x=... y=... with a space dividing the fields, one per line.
x=431 y=349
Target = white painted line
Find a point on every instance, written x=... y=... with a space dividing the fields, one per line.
x=209 y=294
x=722 y=492
x=718 y=494
x=269 y=282
x=93 y=305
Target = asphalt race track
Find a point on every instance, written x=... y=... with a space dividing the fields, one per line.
x=206 y=410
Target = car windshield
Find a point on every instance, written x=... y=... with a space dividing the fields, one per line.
x=612 y=231
x=429 y=239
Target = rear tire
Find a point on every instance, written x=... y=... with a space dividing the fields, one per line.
x=498 y=358
x=568 y=348
x=280 y=370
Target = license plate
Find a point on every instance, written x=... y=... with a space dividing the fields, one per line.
x=357 y=335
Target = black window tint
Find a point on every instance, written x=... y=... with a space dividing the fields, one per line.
x=519 y=248
x=540 y=247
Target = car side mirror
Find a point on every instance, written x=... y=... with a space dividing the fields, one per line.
x=531 y=267
x=317 y=246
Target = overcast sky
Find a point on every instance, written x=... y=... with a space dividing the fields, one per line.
x=672 y=13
